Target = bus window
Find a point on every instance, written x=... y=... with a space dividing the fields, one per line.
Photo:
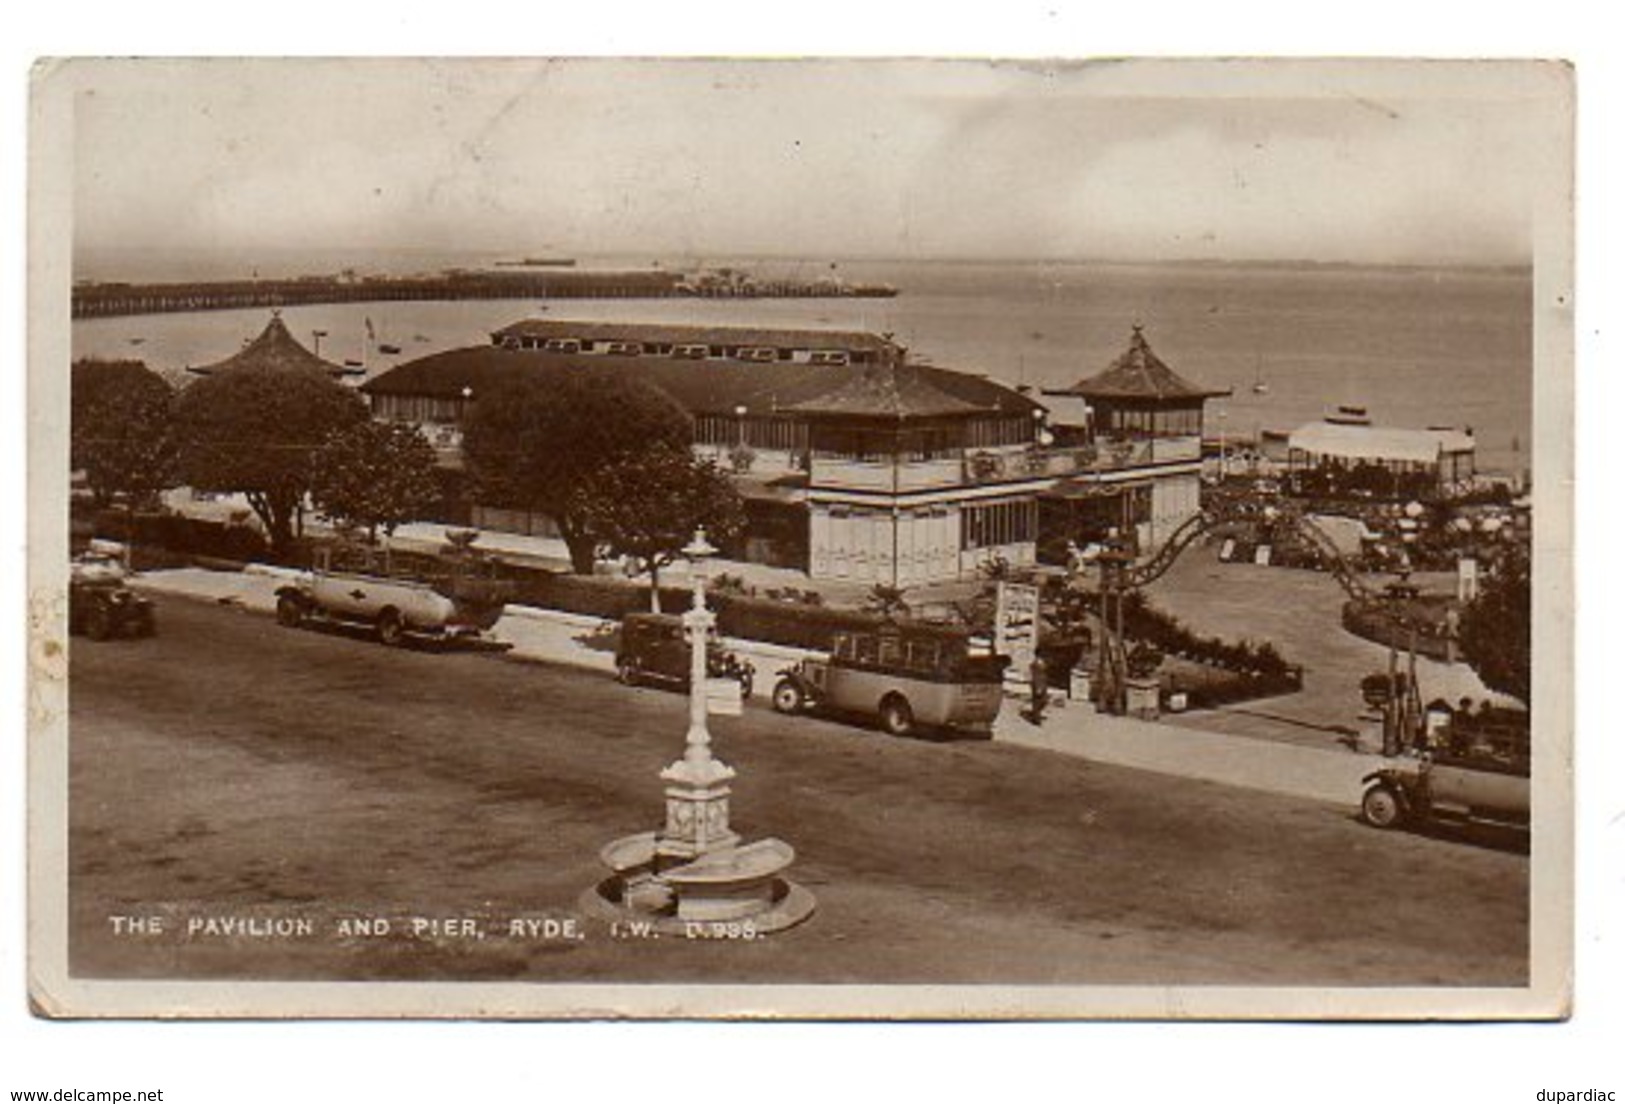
x=889 y=651
x=864 y=649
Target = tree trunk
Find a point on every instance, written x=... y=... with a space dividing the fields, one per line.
x=276 y=512
x=583 y=549
x=654 y=586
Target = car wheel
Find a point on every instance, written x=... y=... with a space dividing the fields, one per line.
x=747 y=683
x=1381 y=807
x=896 y=717
x=788 y=697
x=290 y=611
x=391 y=629
x=98 y=625
x=626 y=672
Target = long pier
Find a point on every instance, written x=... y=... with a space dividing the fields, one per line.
x=106 y=300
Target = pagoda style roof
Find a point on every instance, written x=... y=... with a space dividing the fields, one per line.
x=1140 y=374
x=274 y=350
x=887 y=392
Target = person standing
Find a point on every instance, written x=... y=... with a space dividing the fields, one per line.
x=1038 y=683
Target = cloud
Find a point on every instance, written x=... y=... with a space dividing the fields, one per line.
x=814 y=158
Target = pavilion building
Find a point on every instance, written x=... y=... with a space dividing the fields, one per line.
x=863 y=466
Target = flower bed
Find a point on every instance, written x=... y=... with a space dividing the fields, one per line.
x=1428 y=612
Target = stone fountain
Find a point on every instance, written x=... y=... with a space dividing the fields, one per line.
x=696 y=872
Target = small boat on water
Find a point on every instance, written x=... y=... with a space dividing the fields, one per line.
x=1259 y=386
x=390 y=350
x=1350 y=415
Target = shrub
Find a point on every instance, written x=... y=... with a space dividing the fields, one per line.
x=182 y=536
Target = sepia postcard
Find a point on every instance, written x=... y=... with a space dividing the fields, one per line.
x=804 y=538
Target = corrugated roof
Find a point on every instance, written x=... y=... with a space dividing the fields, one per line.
x=274 y=350
x=1139 y=374
x=675 y=334
x=699 y=386
x=1360 y=442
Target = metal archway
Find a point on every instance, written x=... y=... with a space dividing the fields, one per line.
x=1120 y=574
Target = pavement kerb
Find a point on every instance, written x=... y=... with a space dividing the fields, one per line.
x=1071 y=729
x=275 y=571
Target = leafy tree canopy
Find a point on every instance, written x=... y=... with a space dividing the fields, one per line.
x=647 y=505
x=256 y=431
x=533 y=442
x=374 y=475
x=1495 y=630
x=120 y=433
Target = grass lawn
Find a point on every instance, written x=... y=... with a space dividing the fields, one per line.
x=232 y=768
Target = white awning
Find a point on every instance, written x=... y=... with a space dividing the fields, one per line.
x=1378 y=443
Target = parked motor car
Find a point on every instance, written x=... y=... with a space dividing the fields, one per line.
x=654 y=648
x=100 y=604
x=458 y=595
x=1414 y=789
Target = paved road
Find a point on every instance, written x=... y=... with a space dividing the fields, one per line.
x=232 y=770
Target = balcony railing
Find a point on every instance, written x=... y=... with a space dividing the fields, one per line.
x=1103 y=456
x=886 y=475
x=1000 y=466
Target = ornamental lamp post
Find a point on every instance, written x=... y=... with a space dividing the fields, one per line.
x=696 y=791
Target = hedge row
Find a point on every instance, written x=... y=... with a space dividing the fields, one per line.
x=1232 y=688
x=792 y=624
x=179 y=535
x=1144 y=622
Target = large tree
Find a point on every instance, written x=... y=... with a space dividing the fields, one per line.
x=647 y=505
x=1495 y=629
x=121 y=435
x=374 y=475
x=256 y=431
x=533 y=442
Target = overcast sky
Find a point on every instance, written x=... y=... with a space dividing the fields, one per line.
x=826 y=159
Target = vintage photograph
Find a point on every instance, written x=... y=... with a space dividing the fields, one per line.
x=801 y=538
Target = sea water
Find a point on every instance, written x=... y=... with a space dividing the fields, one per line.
x=1415 y=346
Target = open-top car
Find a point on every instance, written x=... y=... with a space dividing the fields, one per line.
x=399 y=595
x=1481 y=775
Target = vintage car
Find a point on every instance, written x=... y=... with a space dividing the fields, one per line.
x=100 y=605
x=906 y=677
x=654 y=648
x=459 y=594
x=1417 y=788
